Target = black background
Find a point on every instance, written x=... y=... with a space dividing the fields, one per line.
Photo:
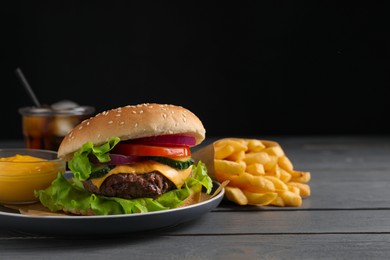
x=244 y=67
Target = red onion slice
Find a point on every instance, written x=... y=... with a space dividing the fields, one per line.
x=118 y=159
x=167 y=140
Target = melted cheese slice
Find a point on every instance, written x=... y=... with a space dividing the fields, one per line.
x=176 y=176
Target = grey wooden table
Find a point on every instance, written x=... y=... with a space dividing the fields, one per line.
x=346 y=217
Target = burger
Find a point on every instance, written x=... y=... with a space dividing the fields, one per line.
x=130 y=159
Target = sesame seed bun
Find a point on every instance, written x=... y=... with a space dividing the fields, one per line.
x=131 y=122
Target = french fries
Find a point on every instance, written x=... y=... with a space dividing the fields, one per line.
x=258 y=171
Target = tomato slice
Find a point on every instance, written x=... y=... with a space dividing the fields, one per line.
x=149 y=150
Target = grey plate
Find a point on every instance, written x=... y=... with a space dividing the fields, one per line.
x=112 y=224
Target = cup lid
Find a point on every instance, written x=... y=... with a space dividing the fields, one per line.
x=49 y=111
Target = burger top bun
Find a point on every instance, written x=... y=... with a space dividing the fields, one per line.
x=131 y=122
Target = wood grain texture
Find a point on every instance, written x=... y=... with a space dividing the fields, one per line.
x=279 y=246
x=347 y=216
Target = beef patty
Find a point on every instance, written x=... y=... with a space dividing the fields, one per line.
x=130 y=186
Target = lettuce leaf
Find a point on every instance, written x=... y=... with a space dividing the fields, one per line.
x=80 y=164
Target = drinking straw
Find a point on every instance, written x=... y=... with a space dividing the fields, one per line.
x=27 y=86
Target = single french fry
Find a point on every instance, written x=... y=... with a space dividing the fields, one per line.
x=273 y=171
x=285 y=163
x=242 y=163
x=284 y=175
x=269 y=143
x=223 y=151
x=294 y=189
x=236 y=156
x=279 y=185
x=247 y=181
x=258 y=157
x=221 y=142
x=255 y=169
x=255 y=145
x=235 y=195
x=278 y=201
x=258 y=183
x=274 y=150
x=261 y=199
x=238 y=144
x=242 y=141
x=304 y=189
x=234 y=180
x=228 y=167
x=299 y=176
x=271 y=163
x=295 y=174
x=290 y=198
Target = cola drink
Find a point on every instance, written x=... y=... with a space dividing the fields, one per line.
x=44 y=127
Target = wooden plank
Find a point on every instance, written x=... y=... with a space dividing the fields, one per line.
x=312 y=158
x=349 y=189
x=291 y=222
x=327 y=246
x=275 y=222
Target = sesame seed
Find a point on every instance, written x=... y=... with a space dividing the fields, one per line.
x=81 y=127
x=136 y=125
x=164 y=116
x=110 y=122
x=122 y=123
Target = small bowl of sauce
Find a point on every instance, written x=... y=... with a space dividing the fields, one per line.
x=22 y=171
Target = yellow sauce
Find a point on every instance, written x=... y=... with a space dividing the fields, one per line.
x=21 y=158
x=20 y=175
